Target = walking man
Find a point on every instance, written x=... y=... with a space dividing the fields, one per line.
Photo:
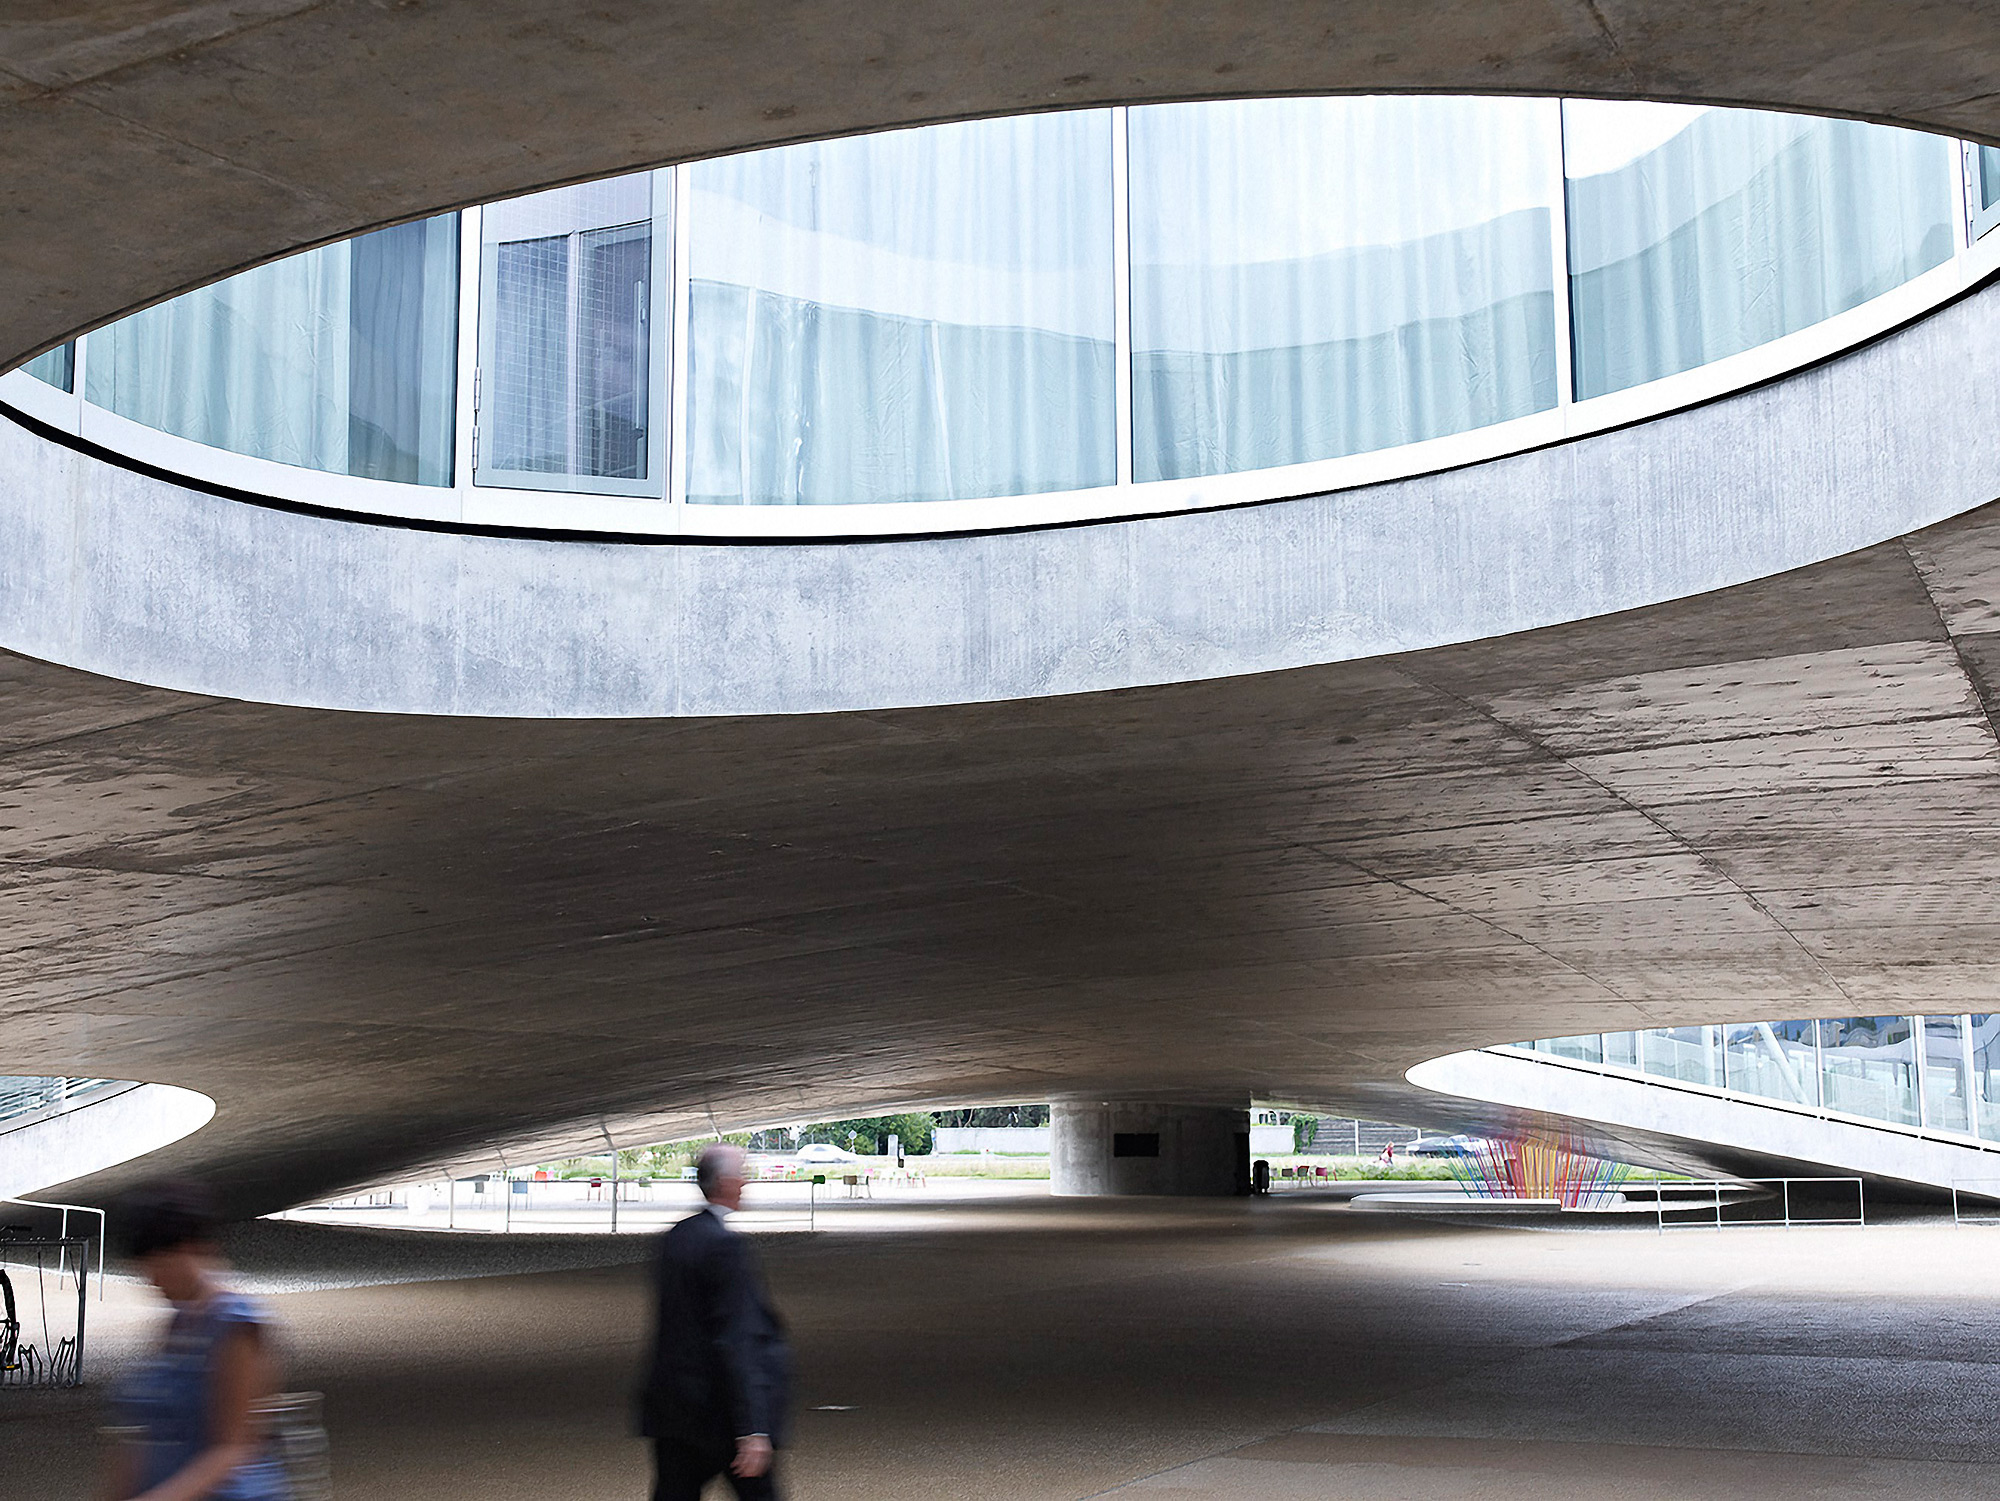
x=717 y=1385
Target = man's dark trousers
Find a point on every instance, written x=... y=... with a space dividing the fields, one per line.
x=719 y=1369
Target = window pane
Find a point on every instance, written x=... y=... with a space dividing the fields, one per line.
x=1697 y=233
x=1984 y=1036
x=57 y=368
x=614 y=286
x=1621 y=1049
x=1773 y=1059
x=921 y=315
x=525 y=411
x=402 y=352
x=1584 y=1049
x=1947 y=1074
x=1869 y=1067
x=1691 y=1054
x=340 y=359
x=567 y=313
x=1318 y=277
x=1989 y=176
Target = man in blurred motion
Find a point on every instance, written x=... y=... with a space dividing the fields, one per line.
x=716 y=1387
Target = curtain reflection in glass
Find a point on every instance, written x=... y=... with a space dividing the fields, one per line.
x=56 y=368
x=341 y=359
x=1868 y=1067
x=1318 y=277
x=921 y=315
x=1698 y=233
x=1772 y=1059
x=566 y=308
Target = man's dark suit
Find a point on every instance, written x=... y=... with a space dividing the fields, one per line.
x=720 y=1369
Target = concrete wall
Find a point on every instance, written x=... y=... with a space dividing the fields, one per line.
x=137 y=578
x=1203 y=1150
x=101 y=1131
x=1025 y=1140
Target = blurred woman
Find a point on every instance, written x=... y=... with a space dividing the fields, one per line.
x=190 y=1412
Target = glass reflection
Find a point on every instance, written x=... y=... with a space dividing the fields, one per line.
x=1985 y=188
x=1983 y=1043
x=1692 y=1055
x=1587 y=1048
x=1947 y=1074
x=567 y=296
x=1868 y=1066
x=920 y=315
x=342 y=359
x=1773 y=1059
x=1318 y=277
x=1696 y=233
x=56 y=368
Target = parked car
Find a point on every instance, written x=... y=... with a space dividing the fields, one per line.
x=824 y=1151
x=1446 y=1146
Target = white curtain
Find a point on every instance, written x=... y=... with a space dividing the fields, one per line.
x=921 y=315
x=1698 y=233
x=1318 y=277
x=257 y=364
x=56 y=368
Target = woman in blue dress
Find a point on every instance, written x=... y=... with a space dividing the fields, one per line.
x=191 y=1411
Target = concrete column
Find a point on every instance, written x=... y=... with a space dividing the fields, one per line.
x=1117 y=1149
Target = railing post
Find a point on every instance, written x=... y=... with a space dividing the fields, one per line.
x=1786 y=1185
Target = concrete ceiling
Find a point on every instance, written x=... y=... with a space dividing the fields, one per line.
x=152 y=145
x=382 y=942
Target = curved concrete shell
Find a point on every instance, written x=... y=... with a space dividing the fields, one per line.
x=379 y=942
x=157 y=146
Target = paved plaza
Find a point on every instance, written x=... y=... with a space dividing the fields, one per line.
x=1021 y=1348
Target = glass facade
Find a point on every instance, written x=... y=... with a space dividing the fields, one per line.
x=342 y=359
x=954 y=313
x=1938 y=1073
x=1778 y=1060
x=1985 y=185
x=1698 y=233
x=1320 y=277
x=56 y=368
x=921 y=315
x=569 y=295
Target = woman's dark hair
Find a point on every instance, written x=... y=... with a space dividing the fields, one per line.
x=163 y=1216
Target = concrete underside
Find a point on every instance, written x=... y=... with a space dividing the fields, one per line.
x=155 y=144
x=384 y=942
x=1229 y=1352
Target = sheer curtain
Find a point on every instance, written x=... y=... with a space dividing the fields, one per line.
x=1697 y=233
x=342 y=359
x=257 y=364
x=1318 y=277
x=920 y=315
x=56 y=368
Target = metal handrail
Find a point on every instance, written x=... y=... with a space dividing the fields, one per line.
x=1716 y=1187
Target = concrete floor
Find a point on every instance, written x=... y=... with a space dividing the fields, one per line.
x=1251 y=1351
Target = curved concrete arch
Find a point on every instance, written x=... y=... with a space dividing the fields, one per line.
x=105 y=1130
x=157 y=147
x=139 y=578
x=1651 y=1120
